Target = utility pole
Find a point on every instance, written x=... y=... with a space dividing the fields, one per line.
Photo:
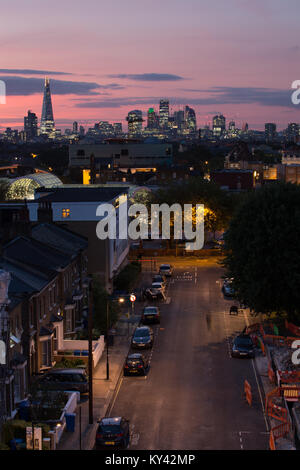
x=107 y=329
x=90 y=341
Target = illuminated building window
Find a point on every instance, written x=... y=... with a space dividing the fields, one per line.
x=66 y=213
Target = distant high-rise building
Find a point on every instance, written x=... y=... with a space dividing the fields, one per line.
x=179 y=118
x=47 y=121
x=292 y=132
x=30 y=126
x=152 y=119
x=163 y=113
x=190 y=120
x=75 y=127
x=219 y=125
x=270 y=131
x=135 y=123
x=118 y=130
x=81 y=131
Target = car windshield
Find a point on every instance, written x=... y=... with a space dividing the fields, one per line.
x=156 y=284
x=162 y=268
x=150 y=311
x=110 y=428
x=243 y=341
x=143 y=332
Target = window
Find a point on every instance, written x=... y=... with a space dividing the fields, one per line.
x=80 y=153
x=46 y=353
x=69 y=325
x=124 y=152
x=65 y=213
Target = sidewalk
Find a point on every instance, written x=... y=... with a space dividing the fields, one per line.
x=103 y=390
x=261 y=364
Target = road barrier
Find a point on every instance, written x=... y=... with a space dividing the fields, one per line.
x=289 y=376
x=248 y=392
x=292 y=328
x=289 y=393
x=271 y=373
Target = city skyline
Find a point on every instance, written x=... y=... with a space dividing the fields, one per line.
x=216 y=59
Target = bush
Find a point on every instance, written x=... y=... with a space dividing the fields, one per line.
x=69 y=363
x=16 y=428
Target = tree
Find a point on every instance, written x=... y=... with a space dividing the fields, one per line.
x=263 y=250
x=219 y=205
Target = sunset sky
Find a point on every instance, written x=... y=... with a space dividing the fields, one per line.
x=235 y=57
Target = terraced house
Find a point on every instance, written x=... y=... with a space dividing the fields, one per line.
x=48 y=298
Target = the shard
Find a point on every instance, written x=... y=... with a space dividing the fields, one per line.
x=47 y=121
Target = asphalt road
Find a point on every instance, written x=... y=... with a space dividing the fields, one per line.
x=192 y=397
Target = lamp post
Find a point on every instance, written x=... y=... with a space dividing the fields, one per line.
x=90 y=342
x=107 y=328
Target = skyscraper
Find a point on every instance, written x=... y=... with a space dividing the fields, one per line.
x=30 y=125
x=190 y=120
x=75 y=127
x=135 y=123
x=219 y=125
x=152 y=120
x=163 y=113
x=47 y=121
x=270 y=131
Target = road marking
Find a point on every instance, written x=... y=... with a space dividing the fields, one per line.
x=116 y=394
x=241 y=441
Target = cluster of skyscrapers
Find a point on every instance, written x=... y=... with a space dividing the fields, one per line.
x=161 y=124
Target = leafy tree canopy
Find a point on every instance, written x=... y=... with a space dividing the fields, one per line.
x=263 y=250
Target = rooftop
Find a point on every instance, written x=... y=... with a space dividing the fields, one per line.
x=80 y=194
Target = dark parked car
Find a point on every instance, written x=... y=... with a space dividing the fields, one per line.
x=243 y=346
x=227 y=288
x=150 y=315
x=151 y=294
x=135 y=364
x=65 y=379
x=159 y=278
x=142 y=338
x=166 y=270
x=112 y=432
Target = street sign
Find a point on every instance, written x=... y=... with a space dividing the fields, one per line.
x=132 y=298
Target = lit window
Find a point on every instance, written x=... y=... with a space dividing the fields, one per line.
x=65 y=213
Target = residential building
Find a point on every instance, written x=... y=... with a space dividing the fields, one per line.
x=75 y=208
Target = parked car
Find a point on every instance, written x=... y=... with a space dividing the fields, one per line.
x=135 y=364
x=150 y=315
x=142 y=338
x=227 y=288
x=166 y=270
x=243 y=346
x=112 y=432
x=65 y=379
x=159 y=278
x=151 y=294
x=158 y=287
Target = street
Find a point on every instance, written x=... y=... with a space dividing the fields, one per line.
x=192 y=397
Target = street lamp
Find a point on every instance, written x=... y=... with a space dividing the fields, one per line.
x=107 y=327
